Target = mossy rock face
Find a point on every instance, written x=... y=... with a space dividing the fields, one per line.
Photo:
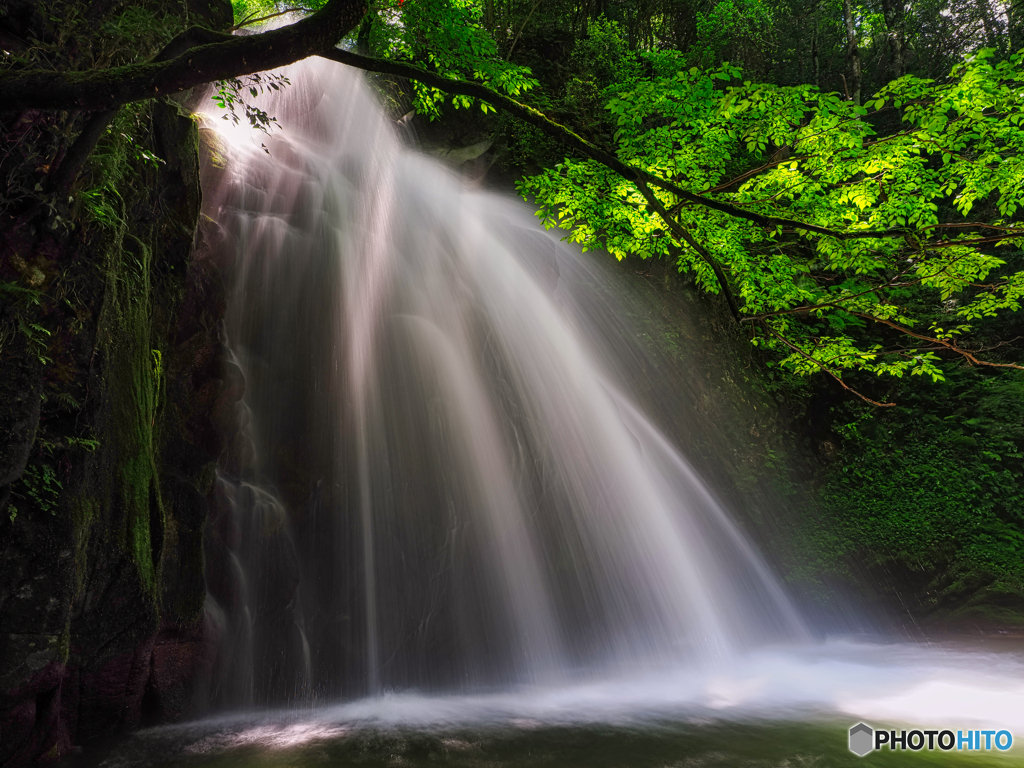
x=980 y=601
x=107 y=449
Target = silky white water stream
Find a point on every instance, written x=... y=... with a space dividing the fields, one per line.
x=486 y=527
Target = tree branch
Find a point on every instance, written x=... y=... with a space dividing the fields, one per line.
x=824 y=368
x=520 y=32
x=61 y=179
x=225 y=56
x=684 y=236
x=947 y=344
x=574 y=141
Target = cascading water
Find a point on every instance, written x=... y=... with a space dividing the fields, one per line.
x=473 y=498
x=445 y=521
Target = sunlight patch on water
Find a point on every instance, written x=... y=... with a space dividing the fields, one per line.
x=271 y=736
x=940 y=703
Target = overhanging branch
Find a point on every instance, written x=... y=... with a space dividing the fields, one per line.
x=225 y=56
x=61 y=179
x=824 y=368
x=574 y=141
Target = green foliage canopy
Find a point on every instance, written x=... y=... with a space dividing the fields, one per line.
x=448 y=37
x=445 y=36
x=919 y=210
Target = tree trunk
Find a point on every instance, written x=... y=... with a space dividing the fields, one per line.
x=894 y=13
x=1014 y=20
x=852 y=54
x=489 y=15
x=815 y=53
x=989 y=23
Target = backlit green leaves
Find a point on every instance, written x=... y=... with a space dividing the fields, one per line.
x=935 y=192
x=446 y=36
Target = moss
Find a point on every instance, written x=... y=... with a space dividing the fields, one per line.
x=84 y=511
x=93 y=402
x=137 y=478
x=128 y=479
x=64 y=643
x=135 y=326
x=922 y=506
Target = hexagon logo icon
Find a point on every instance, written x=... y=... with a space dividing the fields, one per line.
x=861 y=736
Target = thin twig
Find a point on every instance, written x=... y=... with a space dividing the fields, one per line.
x=820 y=365
x=726 y=184
x=249 y=21
x=975 y=225
x=931 y=340
x=520 y=32
x=977 y=240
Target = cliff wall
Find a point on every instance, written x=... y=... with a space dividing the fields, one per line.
x=110 y=377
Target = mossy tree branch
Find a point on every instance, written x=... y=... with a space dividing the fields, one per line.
x=61 y=179
x=644 y=181
x=223 y=56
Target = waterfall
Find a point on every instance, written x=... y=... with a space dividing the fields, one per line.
x=443 y=482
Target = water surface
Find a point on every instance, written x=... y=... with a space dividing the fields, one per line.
x=777 y=707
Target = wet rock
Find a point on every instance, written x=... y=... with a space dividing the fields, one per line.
x=102 y=620
x=180 y=668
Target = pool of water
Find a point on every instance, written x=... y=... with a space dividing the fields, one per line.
x=779 y=707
